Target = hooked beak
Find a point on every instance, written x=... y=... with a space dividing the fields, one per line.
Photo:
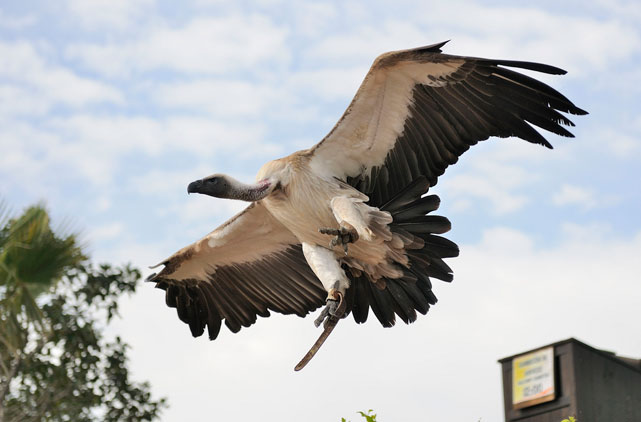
x=195 y=187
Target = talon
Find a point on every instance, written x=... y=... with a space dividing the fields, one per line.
x=334 y=309
x=328 y=230
x=342 y=236
x=318 y=321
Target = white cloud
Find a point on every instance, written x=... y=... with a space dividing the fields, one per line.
x=575 y=195
x=121 y=134
x=35 y=85
x=16 y=22
x=313 y=19
x=329 y=83
x=203 y=46
x=586 y=233
x=629 y=10
x=594 y=44
x=362 y=43
x=161 y=181
x=106 y=232
x=621 y=145
x=218 y=96
x=21 y=100
x=92 y=148
x=496 y=182
x=114 y=14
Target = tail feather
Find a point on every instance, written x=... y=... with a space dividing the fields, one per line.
x=427 y=224
x=404 y=304
x=382 y=305
x=361 y=298
x=411 y=193
x=439 y=246
x=421 y=304
x=412 y=293
x=418 y=208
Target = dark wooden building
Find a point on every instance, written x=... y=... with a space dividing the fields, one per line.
x=589 y=384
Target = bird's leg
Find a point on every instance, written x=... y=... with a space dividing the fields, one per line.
x=343 y=236
x=327 y=267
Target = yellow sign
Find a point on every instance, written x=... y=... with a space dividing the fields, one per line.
x=533 y=378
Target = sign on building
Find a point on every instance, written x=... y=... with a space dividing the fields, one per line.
x=533 y=378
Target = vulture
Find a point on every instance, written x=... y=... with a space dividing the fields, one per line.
x=347 y=223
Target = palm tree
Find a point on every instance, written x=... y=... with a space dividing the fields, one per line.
x=32 y=259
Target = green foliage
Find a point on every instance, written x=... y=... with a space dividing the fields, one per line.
x=369 y=417
x=56 y=364
x=570 y=419
x=32 y=259
x=32 y=254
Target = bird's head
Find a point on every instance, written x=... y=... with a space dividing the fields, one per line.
x=223 y=186
x=217 y=185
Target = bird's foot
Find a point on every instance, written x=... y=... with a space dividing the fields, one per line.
x=333 y=311
x=342 y=236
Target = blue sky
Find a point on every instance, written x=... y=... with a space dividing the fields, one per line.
x=108 y=109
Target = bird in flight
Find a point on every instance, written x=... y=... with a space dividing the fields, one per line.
x=347 y=223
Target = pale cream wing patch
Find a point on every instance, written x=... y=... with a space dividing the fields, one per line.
x=370 y=126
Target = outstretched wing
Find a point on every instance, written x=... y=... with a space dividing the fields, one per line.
x=248 y=266
x=418 y=110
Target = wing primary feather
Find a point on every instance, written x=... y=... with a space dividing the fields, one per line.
x=214 y=321
x=447 y=151
x=432 y=158
x=382 y=306
x=556 y=99
x=433 y=114
x=170 y=296
x=289 y=296
x=437 y=154
x=455 y=113
x=277 y=303
x=233 y=297
x=537 y=67
x=479 y=120
x=233 y=316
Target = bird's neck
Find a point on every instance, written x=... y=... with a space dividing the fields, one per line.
x=249 y=192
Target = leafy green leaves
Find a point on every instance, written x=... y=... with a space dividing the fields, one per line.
x=32 y=259
x=369 y=417
x=32 y=254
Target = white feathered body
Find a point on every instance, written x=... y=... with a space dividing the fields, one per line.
x=305 y=201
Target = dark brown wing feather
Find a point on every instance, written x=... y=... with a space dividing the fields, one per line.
x=237 y=294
